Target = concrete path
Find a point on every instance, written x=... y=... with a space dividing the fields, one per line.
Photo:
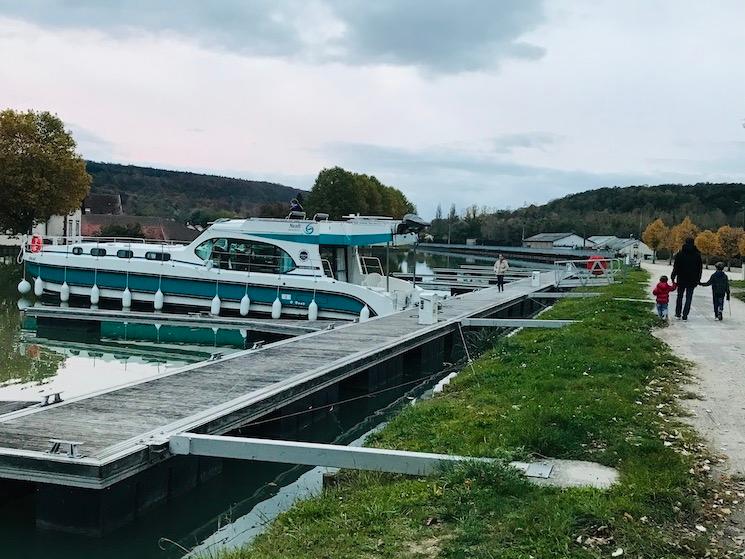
x=717 y=350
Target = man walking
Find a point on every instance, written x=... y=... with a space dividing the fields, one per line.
x=687 y=270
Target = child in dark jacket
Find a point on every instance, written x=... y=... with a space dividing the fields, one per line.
x=719 y=283
x=662 y=294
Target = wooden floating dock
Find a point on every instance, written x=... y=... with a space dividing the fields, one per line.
x=118 y=439
x=287 y=327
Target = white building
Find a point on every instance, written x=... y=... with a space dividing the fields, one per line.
x=634 y=248
x=557 y=240
x=55 y=226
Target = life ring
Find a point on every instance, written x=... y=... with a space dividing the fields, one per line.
x=36 y=243
x=597 y=265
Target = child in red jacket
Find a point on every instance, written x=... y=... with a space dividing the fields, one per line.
x=662 y=293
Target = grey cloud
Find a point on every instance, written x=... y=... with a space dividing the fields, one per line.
x=447 y=35
x=506 y=143
x=259 y=26
x=90 y=145
x=445 y=176
x=436 y=35
x=443 y=159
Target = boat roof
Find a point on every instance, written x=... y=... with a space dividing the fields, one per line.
x=355 y=231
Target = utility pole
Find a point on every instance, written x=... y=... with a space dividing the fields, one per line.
x=640 y=225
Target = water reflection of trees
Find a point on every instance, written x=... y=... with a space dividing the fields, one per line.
x=19 y=361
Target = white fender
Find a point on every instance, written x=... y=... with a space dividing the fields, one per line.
x=158 y=300
x=64 y=292
x=24 y=287
x=95 y=295
x=277 y=308
x=364 y=314
x=126 y=298
x=215 y=306
x=38 y=287
x=245 y=305
x=313 y=311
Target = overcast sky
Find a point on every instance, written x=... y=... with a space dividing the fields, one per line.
x=492 y=102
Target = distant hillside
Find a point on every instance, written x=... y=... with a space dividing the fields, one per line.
x=621 y=211
x=157 y=192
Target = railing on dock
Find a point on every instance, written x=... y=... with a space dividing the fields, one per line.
x=467 y=276
x=591 y=271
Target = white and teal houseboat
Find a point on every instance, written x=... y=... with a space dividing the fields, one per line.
x=306 y=268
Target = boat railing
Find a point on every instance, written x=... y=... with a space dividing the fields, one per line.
x=58 y=240
x=371 y=265
x=327 y=269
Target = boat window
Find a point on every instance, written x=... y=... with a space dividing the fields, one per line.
x=204 y=250
x=163 y=256
x=77 y=250
x=245 y=256
x=98 y=252
x=125 y=254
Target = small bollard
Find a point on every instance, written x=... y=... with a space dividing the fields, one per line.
x=535 y=279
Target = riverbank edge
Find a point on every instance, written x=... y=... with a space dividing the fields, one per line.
x=738 y=289
x=603 y=390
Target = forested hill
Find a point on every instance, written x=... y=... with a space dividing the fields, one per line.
x=146 y=191
x=620 y=211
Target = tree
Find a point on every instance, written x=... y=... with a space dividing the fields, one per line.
x=277 y=209
x=130 y=230
x=205 y=216
x=438 y=213
x=729 y=240
x=686 y=229
x=708 y=243
x=657 y=236
x=741 y=246
x=41 y=175
x=339 y=192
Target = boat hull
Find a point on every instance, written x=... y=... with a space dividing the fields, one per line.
x=198 y=293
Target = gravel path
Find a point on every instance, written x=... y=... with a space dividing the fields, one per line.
x=717 y=350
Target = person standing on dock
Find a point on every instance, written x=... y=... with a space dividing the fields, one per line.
x=500 y=268
x=687 y=270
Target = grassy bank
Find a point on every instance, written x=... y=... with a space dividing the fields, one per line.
x=738 y=289
x=602 y=390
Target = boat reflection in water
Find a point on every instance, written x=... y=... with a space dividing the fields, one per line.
x=79 y=358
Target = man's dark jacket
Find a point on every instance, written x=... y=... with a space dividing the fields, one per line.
x=688 y=267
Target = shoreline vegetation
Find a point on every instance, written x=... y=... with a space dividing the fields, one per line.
x=604 y=389
x=738 y=289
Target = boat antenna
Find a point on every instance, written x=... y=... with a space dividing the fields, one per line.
x=413 y=268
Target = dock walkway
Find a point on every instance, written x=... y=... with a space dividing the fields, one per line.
x=125 y=430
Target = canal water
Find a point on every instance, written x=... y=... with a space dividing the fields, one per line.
x=228 y=510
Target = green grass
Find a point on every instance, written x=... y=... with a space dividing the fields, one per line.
x=602 y=390
x=738 y=289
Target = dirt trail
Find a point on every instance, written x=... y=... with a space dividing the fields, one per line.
x=717 y=350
